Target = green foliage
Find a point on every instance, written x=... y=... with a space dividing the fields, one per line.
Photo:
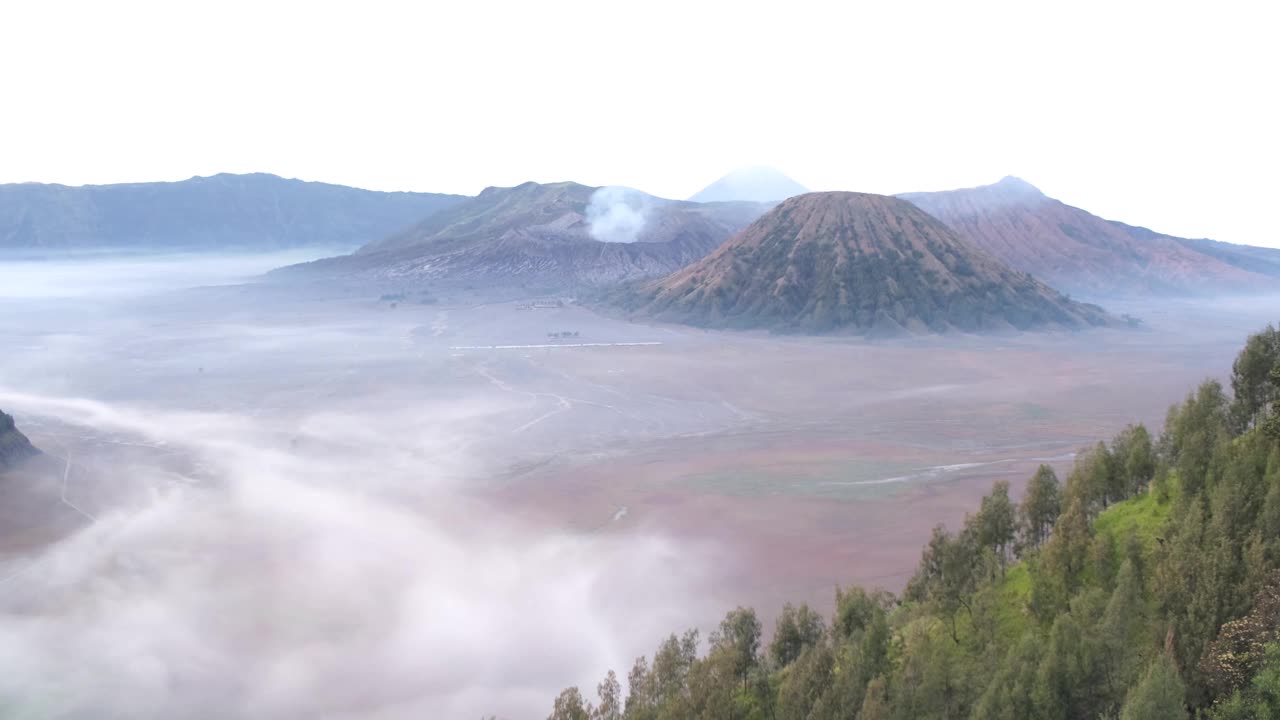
x=738 y=638
x=1144 y=516
x=805 y=682
x=1148 y=587
x=1135 y=460
x=1194 y=430
x=1159 y=696
x=948 y=574
x=1239 y=650
x=995 y=526
x=570 y=706
x=610 y=693
x=1252 y=385
x=1271 y=425
x=1009 y=695
x=796 y=629
x=1041 y=505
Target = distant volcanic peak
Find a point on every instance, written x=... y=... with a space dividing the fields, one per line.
x=837 y=208
x=753 y=184
x=1013 y=182
x=1014 y=190
x=848 y=261
x=554 y=236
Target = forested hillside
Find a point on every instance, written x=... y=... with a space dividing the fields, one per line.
x=1144 y=587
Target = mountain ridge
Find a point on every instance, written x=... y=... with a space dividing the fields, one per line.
x=1077 y=251
x=223 y=211
x=542 y=237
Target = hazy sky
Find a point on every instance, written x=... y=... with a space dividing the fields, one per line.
x=1162 y=114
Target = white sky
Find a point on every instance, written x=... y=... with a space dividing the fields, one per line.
x=1162 y=114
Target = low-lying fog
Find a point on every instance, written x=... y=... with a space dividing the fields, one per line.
x=100 y=274
x=293 y=507
x=276 y=532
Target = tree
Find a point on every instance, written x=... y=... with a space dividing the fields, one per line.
x=1251 y=383
x=1040 y=508
x=1271 y=426
x=875 y=705
x=996 y=524
x=1188 y=589
x=641 y=701
x=1009 y=694
x=570 y=706
x=1238 y=652
x=671 y=666
x=1260 y=700
x=1121 y=633
x=948 y=574
x=1159 y=696
x=1066 y=678
x=1094 y=480
x=805 y=683
x=712 y=689
x=610 y=693
x=1269 y=520
x=1135 y=459
x=1195 y=430
x=856 y=611
x=795 y=629
x=860 y=640
x=739 y=638
x=930 y=682
x=1064 y=557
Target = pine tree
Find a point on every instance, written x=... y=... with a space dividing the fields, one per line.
x=1041 y=504
x=1009 y=694
x=1121 y=633
x=996 y=524
x=1159 y=696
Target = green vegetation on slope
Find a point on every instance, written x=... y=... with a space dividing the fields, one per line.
x=1145 y=587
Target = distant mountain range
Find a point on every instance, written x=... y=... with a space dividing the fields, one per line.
x=14 y=446
x=1079 y=252
x=757 y=184
x=857 y=262
x=842 y=261
x=255 y=211
x=543 y=238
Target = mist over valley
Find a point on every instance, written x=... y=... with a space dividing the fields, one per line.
x=686 y=361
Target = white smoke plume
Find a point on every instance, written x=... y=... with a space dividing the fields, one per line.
x=618 y=214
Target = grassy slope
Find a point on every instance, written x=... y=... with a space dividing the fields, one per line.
x=1144 y=515
x=1010 y=597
